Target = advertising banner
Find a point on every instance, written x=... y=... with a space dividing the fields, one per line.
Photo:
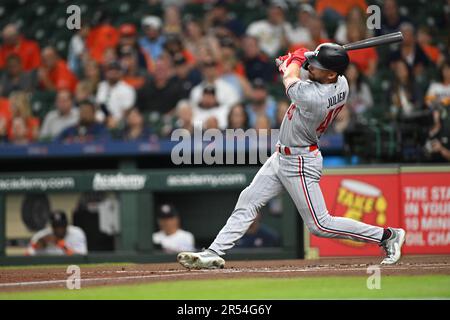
x=425 y=212
x=415 y=200
x=372 y=198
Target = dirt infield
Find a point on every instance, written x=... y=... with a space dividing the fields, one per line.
x=27 y=279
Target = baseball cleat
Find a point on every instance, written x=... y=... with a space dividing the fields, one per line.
x=393 y=246
x=205 y=259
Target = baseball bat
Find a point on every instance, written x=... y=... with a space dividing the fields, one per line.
x=374 y=41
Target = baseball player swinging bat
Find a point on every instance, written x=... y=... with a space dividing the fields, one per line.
x=315 y=83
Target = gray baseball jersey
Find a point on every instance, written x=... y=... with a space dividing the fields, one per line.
x=313 y=108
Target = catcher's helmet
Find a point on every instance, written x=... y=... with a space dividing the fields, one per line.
x=328 y=56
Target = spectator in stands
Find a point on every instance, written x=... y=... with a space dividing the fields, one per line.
x=114 y=96
x=225 y=94
x=211 y=123
x=161 y=93
x=77 y=51
x=201 y=45
x=262 y=122
x=133 y=74
x=438 y=97
x=188 y=75
x=15 y=43
x=261 y=103
x=172 y=20
x=424 y=39
x=87 y=129
x=101 y=36
x=54 y=74
x=110 y=55
x=233 y=71
x=300 y=35
x=365 y=59
x=23 y=126
x=184 y=117
x=58 y=239
x=209 y=107
x=128 y=39
x=272 y=31
x=18 y=133
x=391 y=18
x=238 y=117
x=318 y=33
x=64 y=116
x=92 y=74
x=83 y=91
x=153 y=40
x=171 y=238
x=14 y=78
x=256 y=63
x=443 y=149
x=174 y=45
x=282 y=108
x=5 y=118
x=410 y=51
x=360 y=96
x=356 y=18
x=337 y=10
x=406 y=96
x=219 y=15
x=135 y=128
x=259 y=235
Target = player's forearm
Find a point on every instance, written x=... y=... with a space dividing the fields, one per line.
x=291 y=74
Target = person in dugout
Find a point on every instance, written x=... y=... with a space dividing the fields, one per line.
x=59 y=238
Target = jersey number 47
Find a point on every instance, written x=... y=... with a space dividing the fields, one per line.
x=331 y=115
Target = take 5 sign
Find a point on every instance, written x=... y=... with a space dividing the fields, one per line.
x=419 y=202
x=369 y=198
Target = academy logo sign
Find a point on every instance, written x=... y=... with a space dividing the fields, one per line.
x=191 y=180
x=118 y=181
x=42 y=184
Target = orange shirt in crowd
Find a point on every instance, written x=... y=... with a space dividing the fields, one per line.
x=136 y=82
x=101 y=38
x=32 y=125
x=341 y=6
x=190 y=58
x=5 y=110
x=432 y=52
x=240 y=69
x=62 y=77
x=363 y=57
x=27 y=50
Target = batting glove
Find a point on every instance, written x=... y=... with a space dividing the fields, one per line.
x=298 y=56
x=282 y=62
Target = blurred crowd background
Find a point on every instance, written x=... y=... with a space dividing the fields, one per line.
x=137 y=70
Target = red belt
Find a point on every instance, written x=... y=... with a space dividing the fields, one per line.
x=287 y=151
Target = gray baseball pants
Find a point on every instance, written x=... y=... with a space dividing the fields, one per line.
x=300 y=175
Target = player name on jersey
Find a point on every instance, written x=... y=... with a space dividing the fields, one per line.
x=336 y=99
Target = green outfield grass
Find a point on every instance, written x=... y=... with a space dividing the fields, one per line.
x=392 y=287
